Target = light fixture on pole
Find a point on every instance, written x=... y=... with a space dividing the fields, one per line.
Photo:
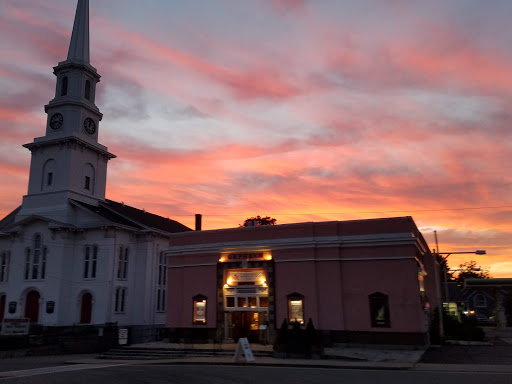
x=438 y=257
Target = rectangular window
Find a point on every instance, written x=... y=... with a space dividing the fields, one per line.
x=120 y=299
x=123 y=298
x=161 y=280
x=230 y=302
x=87 y=183
x=122 y=263
x=35 y=260
x=90 y=262
x=27 y=264
x=86 y=262
x=94 y=261
x=296 y=310
x=43 y=263
x=35 y=264
x=49 y=179
x=4 y=264
x=125 y=264
x=116 y=301
x=200 y=310
x=379 y=310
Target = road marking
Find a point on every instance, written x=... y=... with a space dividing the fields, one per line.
x=60 y=368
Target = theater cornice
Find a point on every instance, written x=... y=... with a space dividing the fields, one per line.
x=373 y=240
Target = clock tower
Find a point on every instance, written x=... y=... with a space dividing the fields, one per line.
x=68 y=162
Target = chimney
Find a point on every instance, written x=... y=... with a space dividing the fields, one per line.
x=199 y=218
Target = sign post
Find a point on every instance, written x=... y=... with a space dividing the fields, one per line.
x=244 y=347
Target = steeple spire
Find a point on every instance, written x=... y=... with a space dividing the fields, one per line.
x=79 y=45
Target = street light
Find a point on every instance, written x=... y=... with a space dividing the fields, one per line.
x=438 y=255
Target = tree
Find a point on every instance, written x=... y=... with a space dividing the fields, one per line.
x=469 y=270
x=258 y=221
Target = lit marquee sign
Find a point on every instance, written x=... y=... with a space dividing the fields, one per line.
x=250 y=256
x=246 y=256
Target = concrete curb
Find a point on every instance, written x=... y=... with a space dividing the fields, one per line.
x=329 y=364
x=270 y=362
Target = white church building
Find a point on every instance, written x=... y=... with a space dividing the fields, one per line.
x=69 y=256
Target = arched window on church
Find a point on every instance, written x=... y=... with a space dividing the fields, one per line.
x=64 y=86
x=87 y=93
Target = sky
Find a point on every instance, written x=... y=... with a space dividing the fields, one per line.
x=302 y=110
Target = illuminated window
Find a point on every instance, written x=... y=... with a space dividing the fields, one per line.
x=379 y=310
x=199 y=309
x=264 y=302
x=296 y=307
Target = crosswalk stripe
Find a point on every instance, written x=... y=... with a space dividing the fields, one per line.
x=60 y=368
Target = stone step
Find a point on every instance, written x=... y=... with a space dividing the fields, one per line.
x=138 y=353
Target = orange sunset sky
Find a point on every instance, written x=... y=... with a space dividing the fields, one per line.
x=301 y=110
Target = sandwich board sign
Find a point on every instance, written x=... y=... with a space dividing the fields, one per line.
x=244 y=347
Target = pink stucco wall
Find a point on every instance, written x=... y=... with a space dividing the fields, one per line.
x=335 y=280
x=336 y=292
x=396 y=278
x=187 y=283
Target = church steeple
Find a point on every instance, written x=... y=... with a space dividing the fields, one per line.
x=68 y=162
x=76 y=86
x=79 y=45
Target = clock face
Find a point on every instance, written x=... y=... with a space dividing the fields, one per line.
x=90 y=126
x=56 y=121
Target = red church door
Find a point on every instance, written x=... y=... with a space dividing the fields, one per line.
x=86 y=310
x=2 y=307
x=32 y=306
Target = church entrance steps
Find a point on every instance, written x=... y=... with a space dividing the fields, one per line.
x=140 y=353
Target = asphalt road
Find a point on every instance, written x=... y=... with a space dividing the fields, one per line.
x=465 y=354
x=194 y=374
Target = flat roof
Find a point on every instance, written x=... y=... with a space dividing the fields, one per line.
x=488 y=283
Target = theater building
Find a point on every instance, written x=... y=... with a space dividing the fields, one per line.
x=364 y=281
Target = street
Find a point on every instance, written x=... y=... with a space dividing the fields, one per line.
x=169 y=374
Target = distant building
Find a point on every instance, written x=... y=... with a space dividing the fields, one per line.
x=363 y=281
x=67 y=255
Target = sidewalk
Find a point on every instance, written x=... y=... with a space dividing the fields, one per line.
x=454 y=358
